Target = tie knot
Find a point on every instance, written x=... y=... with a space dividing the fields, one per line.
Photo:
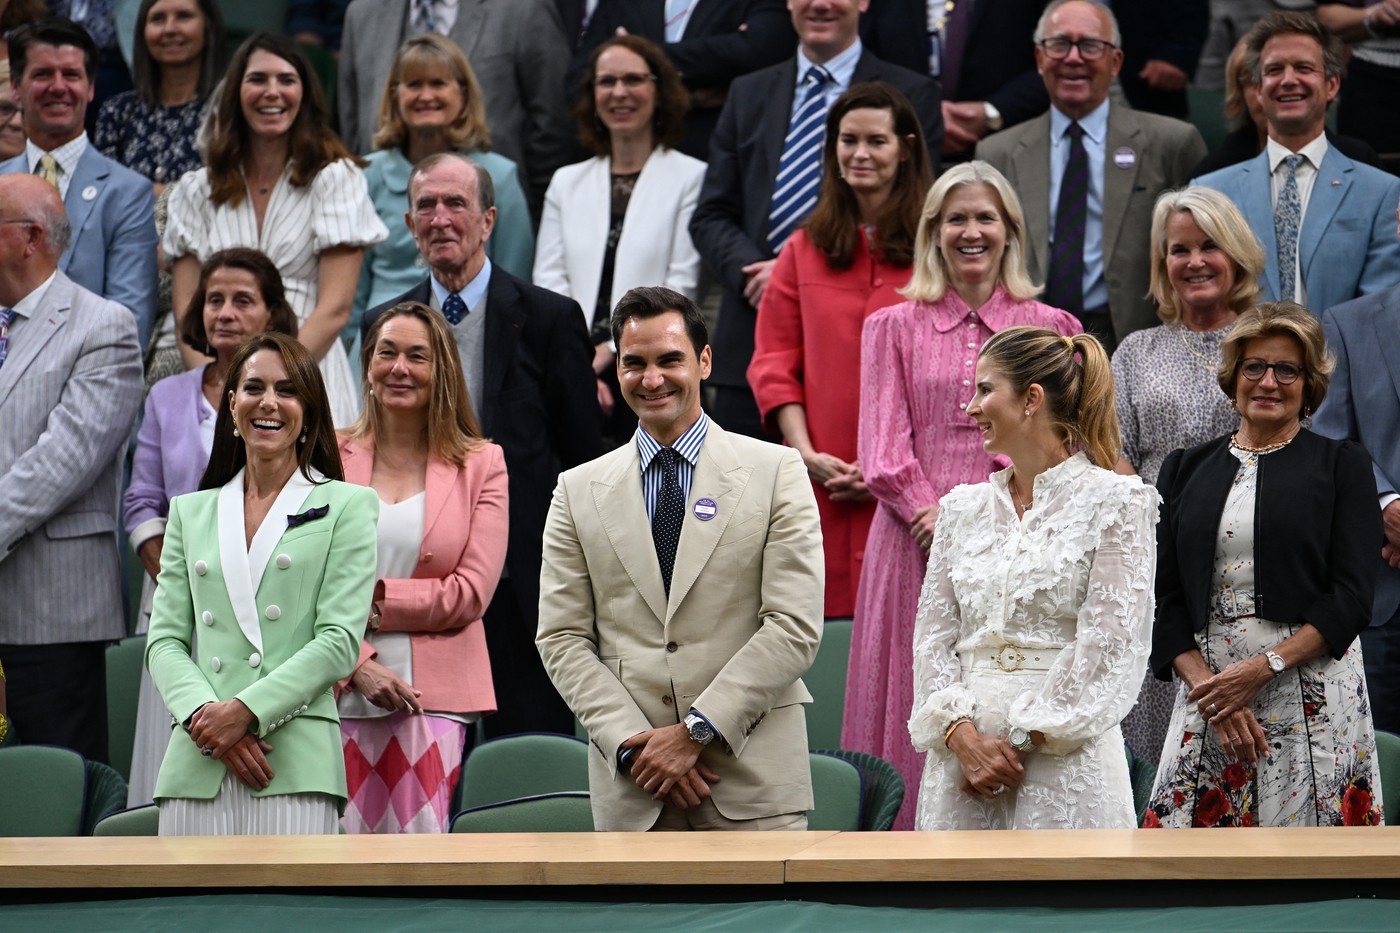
x=1293 y=161
x=668 y=458
x=816 y=76
x=1074 y=131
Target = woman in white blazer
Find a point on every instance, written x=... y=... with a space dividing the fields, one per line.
x=620 y=220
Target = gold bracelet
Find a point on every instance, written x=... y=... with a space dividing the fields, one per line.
x=949 y=733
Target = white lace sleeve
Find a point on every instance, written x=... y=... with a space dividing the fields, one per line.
x=940 y=697
x=1094 y=682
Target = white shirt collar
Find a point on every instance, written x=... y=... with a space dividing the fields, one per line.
x=1313 y=152
x=27 y=305
x=1094 y=123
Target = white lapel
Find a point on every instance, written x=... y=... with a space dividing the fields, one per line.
x=243 y=569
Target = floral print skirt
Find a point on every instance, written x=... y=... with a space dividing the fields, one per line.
x=1322 y=768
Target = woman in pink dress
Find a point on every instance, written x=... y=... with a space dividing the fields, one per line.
x=848 y=260
x=915 y=443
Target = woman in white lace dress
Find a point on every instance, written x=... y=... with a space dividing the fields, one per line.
x=1033 y=625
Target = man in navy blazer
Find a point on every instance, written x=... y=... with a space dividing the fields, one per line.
x=1363 y=404
x=110 y=207
x=529 y=369
x=730 y=223
x=1345 y=247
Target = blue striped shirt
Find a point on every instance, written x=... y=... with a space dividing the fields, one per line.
x=688 y=446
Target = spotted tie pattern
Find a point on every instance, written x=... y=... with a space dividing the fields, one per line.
x=1288 y=216
x=454 y=309
x=667 y=516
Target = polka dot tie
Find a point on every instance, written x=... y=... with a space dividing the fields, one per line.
x=454 y=309
x=666 y=519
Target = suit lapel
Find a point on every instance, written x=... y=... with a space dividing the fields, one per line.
x=1257 y=205
x=440 y=481
x=90 y=174
x=1123 y=133
x=35 y=334
x=1384 y=323
x=504 y=318
x=469 y=27
x=1334 y=177
x=776 y=99
x=1031 y=177
x=719 y=476
x=622 y=510
x=234 y=559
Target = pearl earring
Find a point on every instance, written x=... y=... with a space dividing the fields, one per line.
x=235 y=430
x=303 y=437
x=1028 y=412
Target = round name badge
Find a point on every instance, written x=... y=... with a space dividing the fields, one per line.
x=1124 y=157
x=89 y=193
x=706 y=509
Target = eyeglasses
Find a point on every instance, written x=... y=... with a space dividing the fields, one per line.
x=1091 y=50
x=7 y=110
x=1286 y=373
x=629 y=81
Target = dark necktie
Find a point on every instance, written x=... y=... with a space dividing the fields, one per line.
x=454 y=309
x=955 y=32
x=1065 y=285
x=666 y=518
x=800 y=165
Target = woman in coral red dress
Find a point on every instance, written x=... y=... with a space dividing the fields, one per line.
x=845 y=263
x=916 y=444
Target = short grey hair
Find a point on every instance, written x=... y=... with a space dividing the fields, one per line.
x=485 y=187
x=1115 y=35
x=58 y=232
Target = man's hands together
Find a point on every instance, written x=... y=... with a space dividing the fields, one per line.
x=667 y=765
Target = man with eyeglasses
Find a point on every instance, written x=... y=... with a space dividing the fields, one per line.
x=1089 y=172
x=1363 y=405
x=1322 y=218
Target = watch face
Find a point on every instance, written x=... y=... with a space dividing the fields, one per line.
x=1020 y=739
x=1277 y=664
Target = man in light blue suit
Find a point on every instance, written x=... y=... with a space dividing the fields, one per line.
x=1323 y=219
x=111 y=208
x=1363 y=404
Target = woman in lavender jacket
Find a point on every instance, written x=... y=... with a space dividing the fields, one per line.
x=240 y=294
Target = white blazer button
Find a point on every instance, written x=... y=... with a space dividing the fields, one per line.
x=283 y=562
x=214 y=665
x=255 y=660
x=201 y=568
x=274 y=612
x=208 y=617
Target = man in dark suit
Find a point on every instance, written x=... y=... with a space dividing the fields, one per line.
x=711 y=43
x=1161 y=48
x=734 y=225
x=989 y=83
x=529 y=369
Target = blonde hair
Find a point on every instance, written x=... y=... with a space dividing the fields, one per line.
x=1078 y=391
x=1280 y=319
x=1223 y=223
x=431 y=52
x=929 y=281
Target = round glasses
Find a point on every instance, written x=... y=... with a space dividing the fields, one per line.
x=1286 y=373
x=1091 y=50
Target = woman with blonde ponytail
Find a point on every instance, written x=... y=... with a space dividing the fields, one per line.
x=1033 y=628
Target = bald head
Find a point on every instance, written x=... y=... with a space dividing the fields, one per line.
x=34 y=232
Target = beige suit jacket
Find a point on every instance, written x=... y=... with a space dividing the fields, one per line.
x=742 y=624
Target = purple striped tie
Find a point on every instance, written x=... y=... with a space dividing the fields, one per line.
x=1065 y=285
x=6 y=316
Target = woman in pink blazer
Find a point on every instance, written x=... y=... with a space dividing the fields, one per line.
x=424 y=676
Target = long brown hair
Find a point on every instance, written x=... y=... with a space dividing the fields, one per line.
x=453 y=433
x=312 y=144
x=834 y=224
x=1079 y=392
x=320 y=451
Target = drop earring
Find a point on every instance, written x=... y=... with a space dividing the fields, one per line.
x=303 y=438
x=235 y=429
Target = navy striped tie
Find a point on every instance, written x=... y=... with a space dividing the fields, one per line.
x=1065 y=285
x=800 y=168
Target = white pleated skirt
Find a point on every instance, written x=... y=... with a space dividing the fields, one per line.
x=234 y=811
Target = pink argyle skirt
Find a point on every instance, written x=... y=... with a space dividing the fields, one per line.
x=401 y=771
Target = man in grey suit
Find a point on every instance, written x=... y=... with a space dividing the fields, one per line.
x=70 y=389
x=1089 y=172
x=517 y=50
x=110 y=208
x=1363 y=404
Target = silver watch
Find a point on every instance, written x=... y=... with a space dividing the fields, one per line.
x=1020 y=740
x=1276 y=663
x=700 y=730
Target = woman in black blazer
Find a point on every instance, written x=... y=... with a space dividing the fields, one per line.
x=1266 y=550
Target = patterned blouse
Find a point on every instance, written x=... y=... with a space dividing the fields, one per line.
x=150 y=139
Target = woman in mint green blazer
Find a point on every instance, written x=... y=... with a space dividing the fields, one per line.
x=260 y=606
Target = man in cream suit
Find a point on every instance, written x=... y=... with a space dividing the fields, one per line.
x=681 y=600
x=1102 y=219
x=70 y=389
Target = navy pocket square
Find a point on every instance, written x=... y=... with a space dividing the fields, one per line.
x=310 y=515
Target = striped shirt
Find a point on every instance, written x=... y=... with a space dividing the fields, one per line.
x=688 y=446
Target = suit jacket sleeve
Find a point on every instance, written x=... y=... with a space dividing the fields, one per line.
x=1336 y=417
x=776 y=371
x=342 y=608
x=716 y=59
x=145 y=497
x=182 y=685
x=567 y=637
x=683 y=265
x=550 y=270
x=1382 y=267
x=572 y=389
x=436 y=604
x=541 y=58
x=1021 y=98
x=1343 y=610
x=1172 y=631
x=347 y=92
x=793 y=582
x=96 y=409
x=131 y=275
x=717 y=227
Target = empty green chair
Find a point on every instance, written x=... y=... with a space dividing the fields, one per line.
x=826 y=681
x=1388 y=751
x=138 y=821
x=837 y=794
x=106 y=793
x=522 y=766
x=568 y=812
x=45 y=790
x=882 y=789
x=124 y=662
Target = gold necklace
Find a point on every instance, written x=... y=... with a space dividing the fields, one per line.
x=1181 y=330
x=1236 y=443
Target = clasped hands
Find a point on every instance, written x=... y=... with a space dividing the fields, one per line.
x=221 y=729
x=990 y=766
x=1224 y=701
x=843 y=481
x=667 y=766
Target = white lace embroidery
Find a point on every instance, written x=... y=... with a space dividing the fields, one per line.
x=1075 y=575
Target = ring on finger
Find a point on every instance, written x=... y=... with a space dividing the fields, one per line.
x=998 y=790
x=1214 y=709
x=976 y=768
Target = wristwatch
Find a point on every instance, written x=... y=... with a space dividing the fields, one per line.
x=700 y=730
x=1276 y=663
x=1020 y=740
x=994 y=118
